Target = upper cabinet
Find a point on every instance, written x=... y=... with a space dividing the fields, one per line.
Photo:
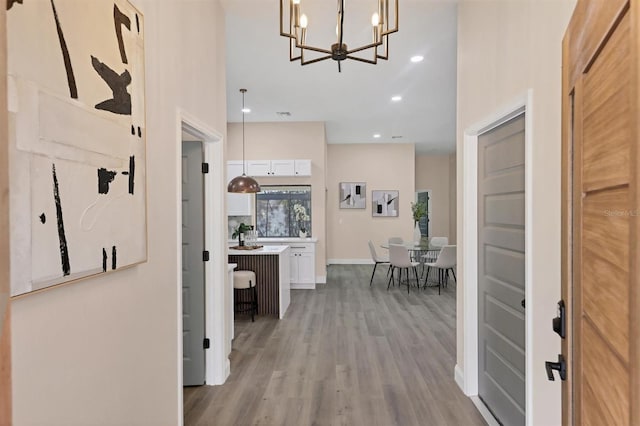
x=302 y=167
x=279 y=167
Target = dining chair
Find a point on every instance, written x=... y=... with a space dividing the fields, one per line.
x=377 y=260
x=400 y=259
x=435 y=242
x=445 y=262
x=396 y=240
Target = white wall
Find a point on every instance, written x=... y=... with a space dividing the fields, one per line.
x=505 y=48
x=105 y=350
x=382 y=167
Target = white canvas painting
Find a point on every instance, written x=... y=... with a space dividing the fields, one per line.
x=77 y=140
x=353 y=195
x=384 y=203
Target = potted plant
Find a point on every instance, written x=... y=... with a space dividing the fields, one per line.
x=418 y=210
x=301 y=217
x=239 y=233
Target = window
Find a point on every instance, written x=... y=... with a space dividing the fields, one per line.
x=275 y=216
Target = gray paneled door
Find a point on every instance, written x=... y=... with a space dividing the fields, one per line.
x=501 y=271
x=193 y=363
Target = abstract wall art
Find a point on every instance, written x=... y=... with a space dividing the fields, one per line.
x=77 y=140
x=353 y=195
x=384 y=203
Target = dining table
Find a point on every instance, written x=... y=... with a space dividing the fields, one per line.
x=417 y=251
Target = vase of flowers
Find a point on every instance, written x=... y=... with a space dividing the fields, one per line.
x=418 y=210
x=302 y=218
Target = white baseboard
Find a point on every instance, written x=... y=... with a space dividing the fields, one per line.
x=484 y=411
x=321 y=279
x=350 y=261
x=303 y=286
x=459 y=377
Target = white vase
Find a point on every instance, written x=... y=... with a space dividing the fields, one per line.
x=417 y=235
x=302 y=234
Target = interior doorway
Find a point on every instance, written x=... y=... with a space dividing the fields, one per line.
x=213 y=240
x=424 y=196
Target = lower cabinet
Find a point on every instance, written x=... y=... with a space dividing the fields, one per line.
x=303 y=270
x=303 y=263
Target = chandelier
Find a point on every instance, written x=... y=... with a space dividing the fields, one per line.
x=297 y=33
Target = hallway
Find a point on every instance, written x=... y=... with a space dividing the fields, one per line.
x=345 y=354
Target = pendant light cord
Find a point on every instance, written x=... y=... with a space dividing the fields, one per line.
x=243 y=91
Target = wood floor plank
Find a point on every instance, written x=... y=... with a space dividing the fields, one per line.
x=345 y=354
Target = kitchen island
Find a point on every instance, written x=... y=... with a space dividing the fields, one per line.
x=272 y=267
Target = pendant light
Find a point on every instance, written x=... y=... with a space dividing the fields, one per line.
x=243 y=184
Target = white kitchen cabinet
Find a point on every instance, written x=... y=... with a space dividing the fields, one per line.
x=271 y=168
x=258 y=168
x=303 y=261
x=302 y=167
x=282 y=168
x=237 y=204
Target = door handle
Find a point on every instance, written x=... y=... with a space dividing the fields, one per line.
x=522 y=303
x=561 y=366
x=559 y=322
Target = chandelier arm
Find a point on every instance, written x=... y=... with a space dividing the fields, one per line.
x=368 y=46
x=395 y=20
x=314 y=60
x=315 y=49
x=368 y=61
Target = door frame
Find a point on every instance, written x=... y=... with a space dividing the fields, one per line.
x=217 y=365
x=467 y=379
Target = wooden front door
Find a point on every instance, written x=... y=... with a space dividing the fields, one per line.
x=601 y=213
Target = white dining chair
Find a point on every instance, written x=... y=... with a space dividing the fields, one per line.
x=435 y=243
x=396 y=240
x=400 y=259
x=376 y=260
x=445 y=262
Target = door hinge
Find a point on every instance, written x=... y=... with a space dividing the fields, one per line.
x=205 y=256
x=206 y=343
x=561 y=366
x=205 y=167
x=559 y=323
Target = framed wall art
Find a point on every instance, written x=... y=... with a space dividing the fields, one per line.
x=77 y=140
x=384 y=203
x=353 y=195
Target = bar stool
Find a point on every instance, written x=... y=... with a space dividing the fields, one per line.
x=244 y=281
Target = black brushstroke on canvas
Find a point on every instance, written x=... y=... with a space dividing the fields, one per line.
x=125 y=173
x=133 y=130
x=71 y=80
x=121 y=101
x=104 y=260
x=132 y=173
x=137 y=23
x=113 y=257
x=43 y=218
x=105 y=177
x=64 y=251
x=11 y=2
x=139 y=132
x=120 y=19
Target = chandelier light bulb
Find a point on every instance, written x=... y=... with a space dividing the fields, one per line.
x=375 y=19
x=303 y=21
x=296 y=1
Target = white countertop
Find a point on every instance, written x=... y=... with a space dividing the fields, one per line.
x=266 y=249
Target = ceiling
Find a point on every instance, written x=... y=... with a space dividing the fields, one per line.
x=356 y=103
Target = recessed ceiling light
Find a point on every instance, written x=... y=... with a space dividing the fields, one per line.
x=396 y=98
x=376 y=135
x=417 y=58
x=246 y=110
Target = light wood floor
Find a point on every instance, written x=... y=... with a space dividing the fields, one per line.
x=345 y=354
